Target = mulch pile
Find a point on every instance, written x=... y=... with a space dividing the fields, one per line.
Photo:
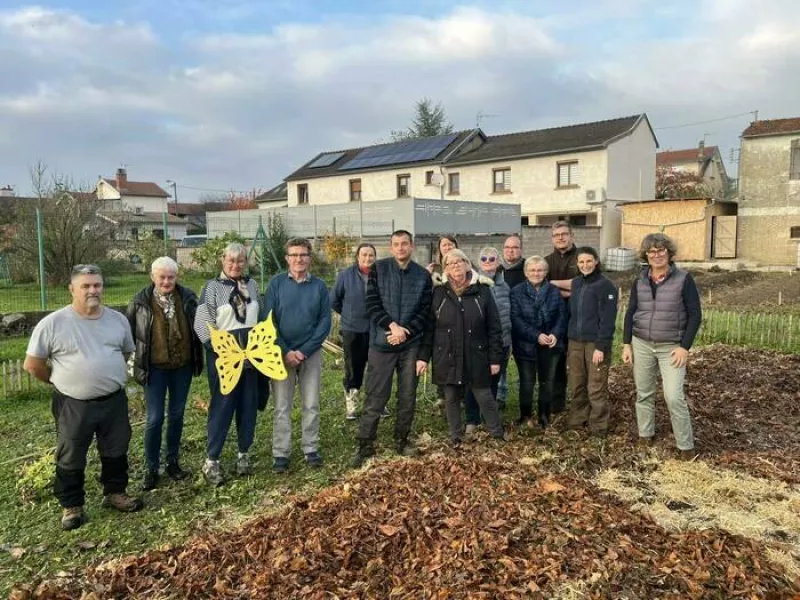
x=449 y=526
x=745 y=406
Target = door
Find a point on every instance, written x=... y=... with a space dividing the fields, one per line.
x=723 y=240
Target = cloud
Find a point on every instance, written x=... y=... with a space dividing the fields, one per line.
x=243 y=106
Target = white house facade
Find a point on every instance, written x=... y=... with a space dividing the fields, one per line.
x=135 y=196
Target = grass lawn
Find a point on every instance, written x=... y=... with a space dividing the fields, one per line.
x=29 y=526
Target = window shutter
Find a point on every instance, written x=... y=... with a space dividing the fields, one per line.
x=794 y=166
x=574 y=177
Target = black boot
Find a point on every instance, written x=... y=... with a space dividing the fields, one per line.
x=150 y=480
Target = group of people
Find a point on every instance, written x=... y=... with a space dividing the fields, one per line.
x=556 y=314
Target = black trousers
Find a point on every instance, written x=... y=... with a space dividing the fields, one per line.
x=559 y=397
x=356 y=351
x=380 y=373
x=78 y=422
x=544 y=368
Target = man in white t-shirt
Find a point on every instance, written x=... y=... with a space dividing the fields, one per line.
x=87 y=346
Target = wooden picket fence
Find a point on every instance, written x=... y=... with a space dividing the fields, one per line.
x=14 y=379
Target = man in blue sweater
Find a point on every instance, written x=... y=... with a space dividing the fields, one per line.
x=398 y=302
x=301 y=311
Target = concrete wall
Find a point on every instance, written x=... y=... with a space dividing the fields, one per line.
x=769 y=202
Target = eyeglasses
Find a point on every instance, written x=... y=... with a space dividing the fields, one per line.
x=488 y=258
x=561 y=235
x=656 y=252
x=298 y=255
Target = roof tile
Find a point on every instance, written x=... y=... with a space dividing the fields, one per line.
x=773 y=127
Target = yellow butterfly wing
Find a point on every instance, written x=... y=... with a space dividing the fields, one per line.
x=262 y=351
x=230 y=359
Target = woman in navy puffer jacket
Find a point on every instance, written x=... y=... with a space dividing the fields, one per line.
x=538 y=333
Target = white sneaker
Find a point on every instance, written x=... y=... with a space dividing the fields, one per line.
x=350 y=397
x=470 y=429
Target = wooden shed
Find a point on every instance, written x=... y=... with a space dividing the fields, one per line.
x=702 y=228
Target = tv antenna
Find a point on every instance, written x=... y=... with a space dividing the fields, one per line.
x=482 y=115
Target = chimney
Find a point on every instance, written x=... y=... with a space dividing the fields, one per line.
x=122 y=179
x=7 y=191
x=701 y=147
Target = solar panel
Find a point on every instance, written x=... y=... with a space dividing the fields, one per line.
x=326 y=160
x=399 y=152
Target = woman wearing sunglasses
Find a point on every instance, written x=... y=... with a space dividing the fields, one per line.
x=661 y=322
x=489 y=267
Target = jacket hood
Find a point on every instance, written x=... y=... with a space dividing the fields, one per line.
x=475 y=277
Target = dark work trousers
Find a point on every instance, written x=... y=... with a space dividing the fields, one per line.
x=484 y=399
x=559 y=399
x=160 y=381
x=242 y=402
x=380 y=373
x=471 y=409
x=543 y=368
x=589 y=386
x=356 y=350
x=77 y=423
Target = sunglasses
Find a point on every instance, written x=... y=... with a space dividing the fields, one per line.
x=488 y=259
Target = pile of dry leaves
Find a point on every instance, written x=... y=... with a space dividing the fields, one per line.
x=745 y=406
x=450 y=526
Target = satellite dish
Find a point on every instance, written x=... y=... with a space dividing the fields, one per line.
x=437 y=179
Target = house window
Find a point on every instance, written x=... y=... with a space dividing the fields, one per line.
x=428 y=177
x=567 y=174
x=302 y=193
x=454 y=183
x=403 y=185
x=794 y=168
x=501 y=181
x=135 y=233
x=794 y=233
x=355 y=190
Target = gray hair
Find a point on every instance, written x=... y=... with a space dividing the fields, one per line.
x=234 y=249
x=657 y=240
x=489 y=250
x=164 y=263
x=535 y=260
x=456 y=253
x=87 y=269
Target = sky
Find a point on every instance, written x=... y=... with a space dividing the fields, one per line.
x=236 y=94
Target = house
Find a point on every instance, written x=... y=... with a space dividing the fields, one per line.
x=136 y=196
x=703 y=161
x=702 y=228
x=132 y=226
x=769 y=192
x=277 y=197
x=193 y=213
x=576 y=172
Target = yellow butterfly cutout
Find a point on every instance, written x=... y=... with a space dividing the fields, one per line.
x=262 y=352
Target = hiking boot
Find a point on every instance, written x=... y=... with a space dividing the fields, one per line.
x=313 y=459
x=405 y=448
x=150 y=480
x=687 y=455
x=175 y=472
x=72 y=518
x=280 y=464
x=360 y=457
x=122 y=502
x=645 y=442
x=213 y=473
x=243 y=467
x=350 y=402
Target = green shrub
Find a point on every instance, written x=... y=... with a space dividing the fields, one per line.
x=35 y=481
x=208 y=257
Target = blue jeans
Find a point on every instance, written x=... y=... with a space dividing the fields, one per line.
x=242 y=401
x=177 y=382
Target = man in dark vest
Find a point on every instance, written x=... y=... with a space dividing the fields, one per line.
x=562 y=269
x=398 y=302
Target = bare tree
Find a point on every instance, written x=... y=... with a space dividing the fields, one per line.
x=74 y=229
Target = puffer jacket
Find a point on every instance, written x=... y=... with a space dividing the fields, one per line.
x=533 y=313
x=502 y=297
x=140 y=316
x=464 y=335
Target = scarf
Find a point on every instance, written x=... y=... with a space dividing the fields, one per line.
x=167 y=303
x=460 y=289
x=540 y=307
x=239 y=298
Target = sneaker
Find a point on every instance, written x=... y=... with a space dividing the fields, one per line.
x=175 y=472
x=406 y=448
x=313 y=459
x=280 y=464
x=213 y=473
x=243 y=467
x=150 y=480
x=122 y=502
x=361 y=456
x=72 y=518
x=350 y=398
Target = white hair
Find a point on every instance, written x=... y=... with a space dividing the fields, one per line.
x=535 y=260
x=164 y=263
x=234 y=249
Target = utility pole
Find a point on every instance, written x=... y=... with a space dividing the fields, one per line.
x=174 y=190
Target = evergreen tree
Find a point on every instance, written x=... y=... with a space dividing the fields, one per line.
x=429 y=121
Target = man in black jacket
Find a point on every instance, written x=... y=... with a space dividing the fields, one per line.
x=398 y=300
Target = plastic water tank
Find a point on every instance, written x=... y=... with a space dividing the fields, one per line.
x=620 y=259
